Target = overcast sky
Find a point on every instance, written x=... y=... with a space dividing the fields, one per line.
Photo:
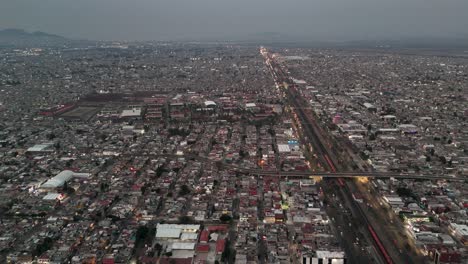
x=321 y=20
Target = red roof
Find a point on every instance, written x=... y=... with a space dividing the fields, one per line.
x=454 y=257
x=203 y=248
x=148 y=260
x=204 y=236
x=108 y=261
x=105 y=202
x=279 y=216
x=220 y=244
x=217 y=228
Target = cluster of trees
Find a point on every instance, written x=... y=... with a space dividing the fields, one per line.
x=184 y=190
x=160 y=170
x=104 y=187
x=406 y=193
x=178 y=132
x=42 y=247
x=12 y=82
x=143 y=233
x=243 y=153
x=228 y=254
x=364 y=155
x=225 y=218
x=186 y=220
x=51 y=136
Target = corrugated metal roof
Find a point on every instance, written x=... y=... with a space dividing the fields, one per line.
x=184 y=246
x=167 y=233
x=58 y=180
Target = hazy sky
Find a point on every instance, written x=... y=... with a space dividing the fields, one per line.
x=227 y=19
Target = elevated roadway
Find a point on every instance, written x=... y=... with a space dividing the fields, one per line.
x=299 y=174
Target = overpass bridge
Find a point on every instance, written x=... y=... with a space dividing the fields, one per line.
x=303 y=174
x=295 y=174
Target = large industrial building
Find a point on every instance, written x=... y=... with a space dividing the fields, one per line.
x=60 y=179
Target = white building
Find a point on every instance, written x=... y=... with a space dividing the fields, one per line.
x=60 y=179
x=175 y=231
x=460 y=232
x=325 y=257
x=131 y=113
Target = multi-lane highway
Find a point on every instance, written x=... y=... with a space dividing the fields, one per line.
x=394 y=232
x=322 y=146
x=352 y=233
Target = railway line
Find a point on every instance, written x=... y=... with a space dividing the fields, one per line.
x=326 y=157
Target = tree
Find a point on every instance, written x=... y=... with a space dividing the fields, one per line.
x=184 y=219
x=158 y=247
x=141 y=234
x=104 y=186
x=219 y=165
x=443 y=159
x=143 y=189
x=225 y=218
x=57 y=145
x=364 y=155
x=227 y=252
x=159 y=171
x=184 y=190
x=243 y=153
x=404 y=192
x=271 y=131
x=178 y=132
x=43 y=247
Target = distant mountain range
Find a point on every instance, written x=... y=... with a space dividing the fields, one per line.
x=22 y=38
x=13 y=32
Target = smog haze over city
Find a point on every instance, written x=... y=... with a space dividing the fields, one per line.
x=318 y=20
x=234 y=132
